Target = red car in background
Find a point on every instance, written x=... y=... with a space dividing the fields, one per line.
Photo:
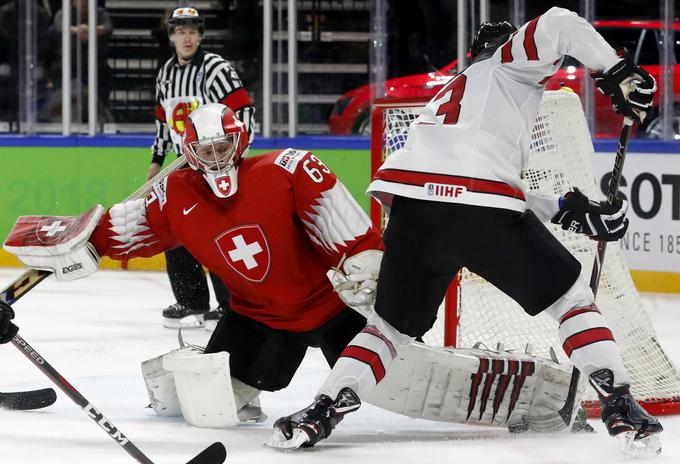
x=643 y=39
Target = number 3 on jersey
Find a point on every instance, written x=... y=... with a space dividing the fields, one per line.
x=450 y=108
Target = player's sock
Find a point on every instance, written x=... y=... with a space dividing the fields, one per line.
x=589 y=343
x=365 y=360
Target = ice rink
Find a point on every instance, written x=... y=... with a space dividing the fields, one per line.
x=96 y=332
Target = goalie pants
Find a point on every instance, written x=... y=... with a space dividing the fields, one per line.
x=427 y=243
x=266 y=358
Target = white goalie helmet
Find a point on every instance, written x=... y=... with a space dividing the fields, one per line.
x=214 y=143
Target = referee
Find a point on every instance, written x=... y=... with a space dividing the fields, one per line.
x=192 y=77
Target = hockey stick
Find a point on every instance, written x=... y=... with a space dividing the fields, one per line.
x=614 y=183
x=611 y=195
x=213 y=454
x=24 y=400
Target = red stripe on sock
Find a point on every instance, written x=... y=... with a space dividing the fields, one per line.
x=587 y=337
x=373 y=330
x=576 y=311
x=366 y=356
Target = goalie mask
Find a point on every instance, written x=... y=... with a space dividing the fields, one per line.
x=488 y=38
x=214 y=142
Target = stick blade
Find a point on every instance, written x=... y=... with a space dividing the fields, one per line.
x=213 y=454
x=26 y=400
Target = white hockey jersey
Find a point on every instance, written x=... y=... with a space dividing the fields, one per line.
x=472 y=140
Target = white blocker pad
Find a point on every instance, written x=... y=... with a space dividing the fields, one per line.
x=204 y=390
x=476 y=386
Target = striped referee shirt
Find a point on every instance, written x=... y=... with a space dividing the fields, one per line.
x=207 y=78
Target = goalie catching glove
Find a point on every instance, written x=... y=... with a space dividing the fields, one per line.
x=598 y=220
x=56 y=243
x=630 y=88
x=356 y=282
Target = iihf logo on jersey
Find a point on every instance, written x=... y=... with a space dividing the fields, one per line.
x=444 y=190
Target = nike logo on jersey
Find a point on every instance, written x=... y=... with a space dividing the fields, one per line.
x=187 y=211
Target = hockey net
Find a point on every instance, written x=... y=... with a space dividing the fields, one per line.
x=475 y=311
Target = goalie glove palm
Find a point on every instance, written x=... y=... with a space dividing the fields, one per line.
x=598 y=220
x=630 y=88
x=356 y=283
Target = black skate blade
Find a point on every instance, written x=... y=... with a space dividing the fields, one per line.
x=26 y=400
x=213 y=454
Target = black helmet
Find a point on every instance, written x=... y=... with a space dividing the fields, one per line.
x=489 y=37
x=185 y=16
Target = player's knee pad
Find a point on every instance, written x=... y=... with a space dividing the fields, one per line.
x=578 y=295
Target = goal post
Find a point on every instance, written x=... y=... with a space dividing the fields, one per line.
x=474 y=311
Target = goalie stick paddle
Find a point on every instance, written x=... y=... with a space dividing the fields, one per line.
x=25 y=400
x=213 y=454
x=615 y=181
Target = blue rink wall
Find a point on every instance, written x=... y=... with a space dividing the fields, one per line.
x=57 y=175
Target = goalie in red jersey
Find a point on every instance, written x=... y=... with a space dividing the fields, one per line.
x=270 y=226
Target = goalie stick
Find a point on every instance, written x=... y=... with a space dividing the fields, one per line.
x=213 y=454
x=617 y=171
x=24 y=400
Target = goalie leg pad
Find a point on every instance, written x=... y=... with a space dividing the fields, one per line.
x=476 y=387
x=204 y=388
x=160 y=384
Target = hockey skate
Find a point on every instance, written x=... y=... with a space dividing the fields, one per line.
x=307 y=427
x=179 y=316
x=211 y=318
x=636 y=430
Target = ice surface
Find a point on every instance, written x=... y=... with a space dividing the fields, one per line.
x=96 y=331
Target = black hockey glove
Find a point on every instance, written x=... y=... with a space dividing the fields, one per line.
x=598 y=220
x=7 y=329
x=630 y=88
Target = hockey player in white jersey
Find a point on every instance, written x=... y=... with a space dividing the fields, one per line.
x=455 y=199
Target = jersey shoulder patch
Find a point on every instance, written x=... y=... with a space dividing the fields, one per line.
x=289 y=158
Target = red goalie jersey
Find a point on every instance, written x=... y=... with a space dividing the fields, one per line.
x=272 y=242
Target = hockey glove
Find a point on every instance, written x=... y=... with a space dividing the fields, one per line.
x=630 y=88
x=357 y=284
x=7 y=329
x=56 y=243
x=598 y=220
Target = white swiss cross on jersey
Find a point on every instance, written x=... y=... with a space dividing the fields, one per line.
x=246 y=250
